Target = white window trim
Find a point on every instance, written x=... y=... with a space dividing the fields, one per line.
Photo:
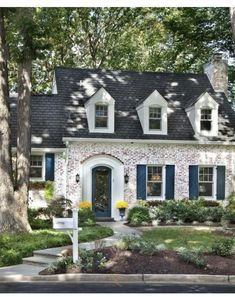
x=155 y=99
x=101 y=128
x=43 y=167
x=214 y=187
x=154 y=130
x=100 y=97
x=163 y=196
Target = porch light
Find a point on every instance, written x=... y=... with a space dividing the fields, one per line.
x=77 y=178
x=126 y=178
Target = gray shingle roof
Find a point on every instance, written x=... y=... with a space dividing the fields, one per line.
x=63 y=115
x=46 y=117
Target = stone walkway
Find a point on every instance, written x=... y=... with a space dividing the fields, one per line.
x=33 y=265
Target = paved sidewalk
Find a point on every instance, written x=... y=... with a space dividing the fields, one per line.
x=32 y=269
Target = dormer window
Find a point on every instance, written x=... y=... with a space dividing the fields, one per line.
x=206 y=119
x=155 y=118
x=100 y=112
x=101 y=115
x=152 y=113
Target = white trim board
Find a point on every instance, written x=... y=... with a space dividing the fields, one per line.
x=154 y=141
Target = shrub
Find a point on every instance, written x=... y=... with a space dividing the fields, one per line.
x=137 y=244
x=229 y=215
x=86 y=217
x=223 y=247
x=37 y=224
x=137 y=215
x=58 y=206
x=10 y=257
x=49 y=190
x=194 y=257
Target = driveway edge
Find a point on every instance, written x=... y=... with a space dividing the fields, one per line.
x=124 y=278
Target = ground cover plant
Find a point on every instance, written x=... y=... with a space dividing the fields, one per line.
x=14 y=247
x=172 y=250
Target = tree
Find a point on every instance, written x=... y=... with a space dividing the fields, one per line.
x=232 y=18
x=9 y=218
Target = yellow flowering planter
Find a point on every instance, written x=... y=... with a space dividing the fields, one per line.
x=122 y=205
x=84 y=204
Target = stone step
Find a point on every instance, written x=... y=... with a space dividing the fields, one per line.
x=52 y=252
x=39 y=261
x=104 y=219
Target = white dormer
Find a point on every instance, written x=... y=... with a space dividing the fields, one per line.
x=100 y=112
x=153 y=114
x=203 y=116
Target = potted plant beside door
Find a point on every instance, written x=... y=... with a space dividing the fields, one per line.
x=122 y=206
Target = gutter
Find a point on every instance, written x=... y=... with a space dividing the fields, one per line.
x=147 y=141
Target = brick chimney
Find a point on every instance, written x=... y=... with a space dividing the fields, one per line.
x=217 y=71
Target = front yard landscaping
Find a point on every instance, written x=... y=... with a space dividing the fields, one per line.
x=14 y=247
x=159 y=251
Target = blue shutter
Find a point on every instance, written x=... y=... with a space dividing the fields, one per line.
x=141 y=182
x=193 y=182
x=220 y=185
x=170 y=182
x=50 y=166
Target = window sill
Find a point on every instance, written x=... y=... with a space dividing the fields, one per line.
x=155 y=198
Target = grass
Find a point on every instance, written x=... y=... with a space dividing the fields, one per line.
x=181 y=237
x=14 y=247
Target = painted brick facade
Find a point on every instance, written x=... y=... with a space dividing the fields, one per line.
x=132 y=154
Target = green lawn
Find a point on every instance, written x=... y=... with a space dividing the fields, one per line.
x=14 y=247
x=181 y=237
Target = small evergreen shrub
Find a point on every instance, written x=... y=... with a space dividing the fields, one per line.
x=193 y=257
x=139 y=245
x=86 y=217
x=223 y=247
x=138 y=215
x=49 y=190
x=58 y=206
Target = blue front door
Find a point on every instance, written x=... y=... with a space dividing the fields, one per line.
x=101 y=191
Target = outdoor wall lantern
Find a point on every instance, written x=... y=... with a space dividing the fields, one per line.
x=77 y=178
x=126 y=178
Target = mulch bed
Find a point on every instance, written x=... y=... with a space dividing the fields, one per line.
x=163 y=262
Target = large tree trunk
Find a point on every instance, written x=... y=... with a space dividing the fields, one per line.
x=232 y=17
x=8 y=218
x=23 y=139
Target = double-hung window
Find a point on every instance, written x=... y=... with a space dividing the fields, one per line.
x=154 y=181
x=155 y=118
x=206 y=119
x=101 y=116
x=36 y=166
x=206 y=181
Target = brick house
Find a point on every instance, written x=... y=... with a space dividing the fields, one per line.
x=103 y=136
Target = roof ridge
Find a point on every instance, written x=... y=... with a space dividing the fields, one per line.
x=130 y=71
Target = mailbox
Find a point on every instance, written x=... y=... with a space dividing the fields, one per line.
x=63 y=224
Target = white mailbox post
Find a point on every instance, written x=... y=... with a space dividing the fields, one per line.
x=69 y=224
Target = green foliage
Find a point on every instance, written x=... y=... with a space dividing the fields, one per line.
x=223 y=247
x=60 y=265
x=194 y=257
x=37 y=224
x=86 y=217
x=94 y=233
x=186 y=211
x=229 y=215
x=143 y=39
x=49 y=190
x=91 y=259
x=39 y=218
x=231 y=200
x=137 y=244
x=14 y=247
x=137 y=215
x=181 y=237
x=58 y=206
x=88 y=261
